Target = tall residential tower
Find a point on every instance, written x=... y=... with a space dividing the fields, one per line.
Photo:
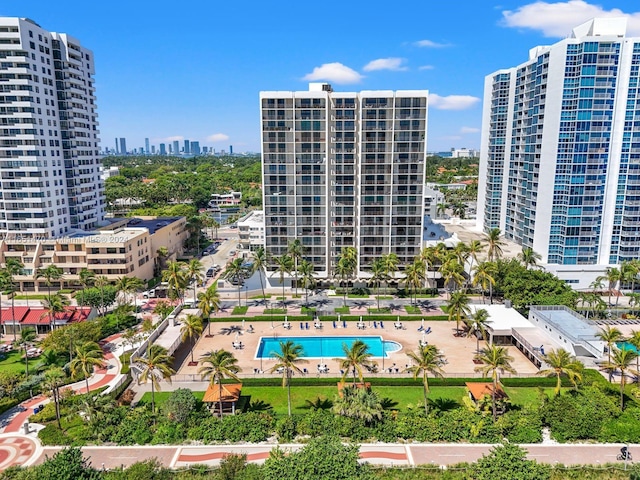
x=560 y=156
x=344 y=170
x=50 y=179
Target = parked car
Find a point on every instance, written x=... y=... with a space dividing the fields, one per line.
x=232 y=253
x=211 y=272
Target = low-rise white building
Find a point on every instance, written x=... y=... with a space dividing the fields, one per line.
x=251 y=230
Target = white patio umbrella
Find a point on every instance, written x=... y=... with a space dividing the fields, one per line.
x=422 y=323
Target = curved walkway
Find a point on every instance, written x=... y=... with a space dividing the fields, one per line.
x=18 y=450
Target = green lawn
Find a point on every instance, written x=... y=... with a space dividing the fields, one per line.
x=412 y=309
x=342 y=310
x=526 y=395
x=384 y=297
x=240 y=310
x=379 y=310
x=14 y=363
x=162 y=397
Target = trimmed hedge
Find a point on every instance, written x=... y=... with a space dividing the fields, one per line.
x=346 y=318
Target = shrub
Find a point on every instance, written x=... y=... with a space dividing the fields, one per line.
x=286 y=429
x=52 y=435
x=180 y=404
x=47 y=414
x=6 y=403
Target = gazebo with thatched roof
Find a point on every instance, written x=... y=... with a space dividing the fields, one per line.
x=230 y=396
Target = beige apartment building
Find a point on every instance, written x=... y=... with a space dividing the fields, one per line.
x=127 y=247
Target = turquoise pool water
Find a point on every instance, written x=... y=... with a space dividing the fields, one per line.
x=326 y=347
x=626 y=346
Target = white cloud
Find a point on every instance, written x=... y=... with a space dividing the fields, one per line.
x=426 y=67
x=451 y=137
x=178 y=138
x=558 y=19
x=385 y=64
x=469 y=130
x=218 y=137
x=334 y=72
x=452 y=102
x=431 y=44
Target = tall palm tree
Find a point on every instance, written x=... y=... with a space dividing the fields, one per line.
x=452 y=273
x=284 y=264
x=50 y=273
x=415 y=276
x=13 y=267
x=218 y=365
x=27 y=335
x=128 y=286
x=190 y=330
x=529 y=257
x=478 y=325
x=378 y=275
x=209 y=302
x=236 y=273
x=609 y=335
x=53 y=380
x=260 y=259
x=162 y=255
x=494 y=244
x=474 y=248
x=287 y=359
x=629 y=271
x=88 y=356
x=391 y=263
x=54 y=305
x=86 y=278
x=101 y=282
x=195 y=275
x=355 y=358
x=343 y=271
x=175 y=276
x=494 y=358
x=461 y=252
x=458 y=307
x=156 y=366
x=622 y=360
x=307 y=276
x=296 y=250
x=426 y=360
x=561 y=362
x=484 y=276
x=5 y=286
x=612 y=277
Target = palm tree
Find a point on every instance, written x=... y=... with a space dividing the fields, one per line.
x=426 y=360
x=287 y=359
x=494 y=244
x=609 y=335
x=216 y=225
x=50 y=273
x=629 y=272
x=236 y=273
x=458 y=307
x=13 y=267
x=208 y=302
x=128 y=286
x=360 y=403
x=621 y=361
x=474 y=248
x=378 y=275
x=162 y=254
x=27 y=335
x=561 y=362
x=88 y=356
x=5 y=285
x=494 y=359
x=355 y=358
x=478 y=324
x=194 y=273
x=307 y=276
x=101 y=282
x=190 y=330
x=284 y=264
x=343 y=271
x=296 y=250
x=218 y=365
x=175 y=276
x=415 y=276
x=529 y=257
x=54 y=305
x=441 y=209
x=260 y=259
x=156 y=366
x=391 y=263
x=86 y=278
x=484 y=276
x=612 y=277
x=452 y=273
x=53 y=380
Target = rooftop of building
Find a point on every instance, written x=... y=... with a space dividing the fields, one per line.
x=467 y=231
x=565 y=320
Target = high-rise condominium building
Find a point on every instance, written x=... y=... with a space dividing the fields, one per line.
x=49 y=167
x=195 y=148
x=176 y=147
x=146 y=146
x=560 y=155
x=187 y=150
x=123 y=146
x=163 y=149
x=344 y=170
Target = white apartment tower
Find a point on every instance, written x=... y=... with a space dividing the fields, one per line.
x=560 y=155
x=50 y=181
x=344 y=170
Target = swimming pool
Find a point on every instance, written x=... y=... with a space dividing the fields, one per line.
x=626 y=346
x=326 y=347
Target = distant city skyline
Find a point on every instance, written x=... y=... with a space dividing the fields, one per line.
x=150 y=88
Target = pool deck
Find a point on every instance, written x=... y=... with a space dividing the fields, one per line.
x=459 y=352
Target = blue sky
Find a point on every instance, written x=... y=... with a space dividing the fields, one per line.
x=193 y=69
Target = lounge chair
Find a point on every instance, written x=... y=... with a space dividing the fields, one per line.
x=307 y=325
x=301 y=326
x=250 y=329
x=428 y=330
x=344 y=324
x=381 y=324
x=420 y=328
x=375 y=325
x=305 y=371
x=334 y=324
